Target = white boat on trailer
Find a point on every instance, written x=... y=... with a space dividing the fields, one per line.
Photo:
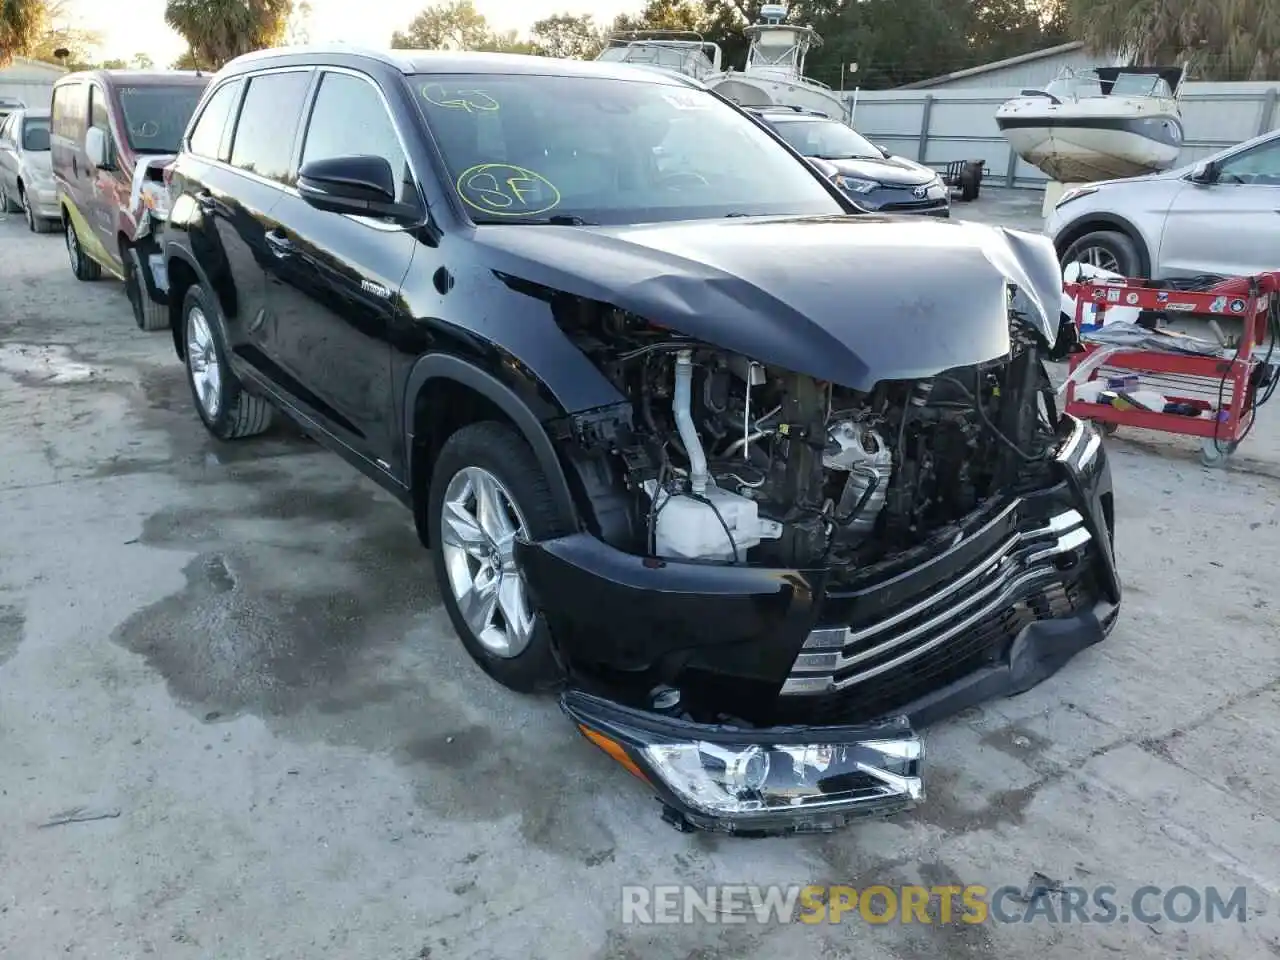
x=678 y=51
x=1101 y=124
x=774 y=71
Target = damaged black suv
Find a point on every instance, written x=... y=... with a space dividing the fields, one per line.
x=756 y=480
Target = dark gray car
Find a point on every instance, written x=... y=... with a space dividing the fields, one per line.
x=871 y=177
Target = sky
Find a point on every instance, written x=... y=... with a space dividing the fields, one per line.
x=361 y=22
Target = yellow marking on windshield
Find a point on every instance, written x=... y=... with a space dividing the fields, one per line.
x=505 y=190
x=468 y=100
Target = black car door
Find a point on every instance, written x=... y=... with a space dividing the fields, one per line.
x=334 y=280
x=239 y=193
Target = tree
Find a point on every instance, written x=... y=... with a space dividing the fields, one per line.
x=454 y=25
x=187 y=61
x=20 y=24
x=219 y=30
x=298 y=31
x=567 y=35
x=1223 y=39
x=142 y=61
x=113 y=64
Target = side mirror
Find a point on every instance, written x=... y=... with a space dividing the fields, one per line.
x=1206 y=173
x=98 y=149
x=358 y=184
x=882 y=148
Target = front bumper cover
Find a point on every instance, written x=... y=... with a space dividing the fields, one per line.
x=733 y=638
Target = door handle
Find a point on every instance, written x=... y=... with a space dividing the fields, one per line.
x=280 y=245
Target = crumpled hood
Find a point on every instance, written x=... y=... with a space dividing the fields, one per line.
x=892 y=171
x=851 y=299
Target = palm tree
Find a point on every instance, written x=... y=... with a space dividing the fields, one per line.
x=20 y=24
x=1223 y=39
x=219 y=30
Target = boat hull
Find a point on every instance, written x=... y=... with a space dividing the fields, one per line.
x=1073 y=143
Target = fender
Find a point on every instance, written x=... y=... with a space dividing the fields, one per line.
x=446 y=366
x=1073 y=231
x=174 y=250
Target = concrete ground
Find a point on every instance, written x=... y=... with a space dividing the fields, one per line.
x=231 y=658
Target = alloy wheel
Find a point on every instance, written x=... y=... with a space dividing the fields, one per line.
x=479 y=526
x=1099 y=257
x=202 y=361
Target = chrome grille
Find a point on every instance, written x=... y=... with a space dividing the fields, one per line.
x=1022 y=564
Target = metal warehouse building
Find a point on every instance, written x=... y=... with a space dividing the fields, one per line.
x=1027 y=70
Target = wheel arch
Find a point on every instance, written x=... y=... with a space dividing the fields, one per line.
x=184 y=271
x=1089 y=222
x=469 y=393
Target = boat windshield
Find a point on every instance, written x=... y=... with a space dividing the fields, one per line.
x=686 y=58
x=1073 y=85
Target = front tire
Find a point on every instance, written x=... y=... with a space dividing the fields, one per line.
x=85 y=269
x=226 y=409
x=1107 y=250
x=147 y=314
x=6 y=202
x=487 y=489
x=36 y=224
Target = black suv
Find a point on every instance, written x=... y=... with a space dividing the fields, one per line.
x=873 y=179
x=754 y=479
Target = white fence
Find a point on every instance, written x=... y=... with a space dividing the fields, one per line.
x=940 y=125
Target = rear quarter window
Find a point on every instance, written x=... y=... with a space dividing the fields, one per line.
x=209 y=134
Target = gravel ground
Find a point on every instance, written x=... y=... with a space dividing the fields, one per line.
x=234 y=657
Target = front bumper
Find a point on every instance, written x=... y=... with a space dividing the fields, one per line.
x=1014 y=594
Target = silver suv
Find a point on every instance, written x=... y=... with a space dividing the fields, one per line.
x=1219 y=216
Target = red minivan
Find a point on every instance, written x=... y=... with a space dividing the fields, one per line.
x=112 y=134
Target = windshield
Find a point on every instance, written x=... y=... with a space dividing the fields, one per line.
x=35 y=134
x=609 y=151
x=155 y=117
x=826 y=140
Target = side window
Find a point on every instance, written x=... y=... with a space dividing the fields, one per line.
x=207 y=136
x=268 y=121
x=349 y=117
x=1260 y=165
x=98 y=115
x=68 y=109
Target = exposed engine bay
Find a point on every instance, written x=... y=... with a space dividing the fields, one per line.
x=737 y=462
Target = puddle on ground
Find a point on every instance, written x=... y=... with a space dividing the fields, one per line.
x=43 y=364
x=312 y=606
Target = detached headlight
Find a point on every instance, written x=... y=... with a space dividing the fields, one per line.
x=783 y=780
x=1075 y=193
x=855 y=184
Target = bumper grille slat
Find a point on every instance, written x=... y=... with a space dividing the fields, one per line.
x=1018 y=582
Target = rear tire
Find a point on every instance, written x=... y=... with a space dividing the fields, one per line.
x=495 y=455
x=6 y=202
x=1107 y=250
x=82 y=267
x=147 y=314
x=226 y=409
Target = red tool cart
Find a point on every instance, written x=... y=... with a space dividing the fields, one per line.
x=1209 y=396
